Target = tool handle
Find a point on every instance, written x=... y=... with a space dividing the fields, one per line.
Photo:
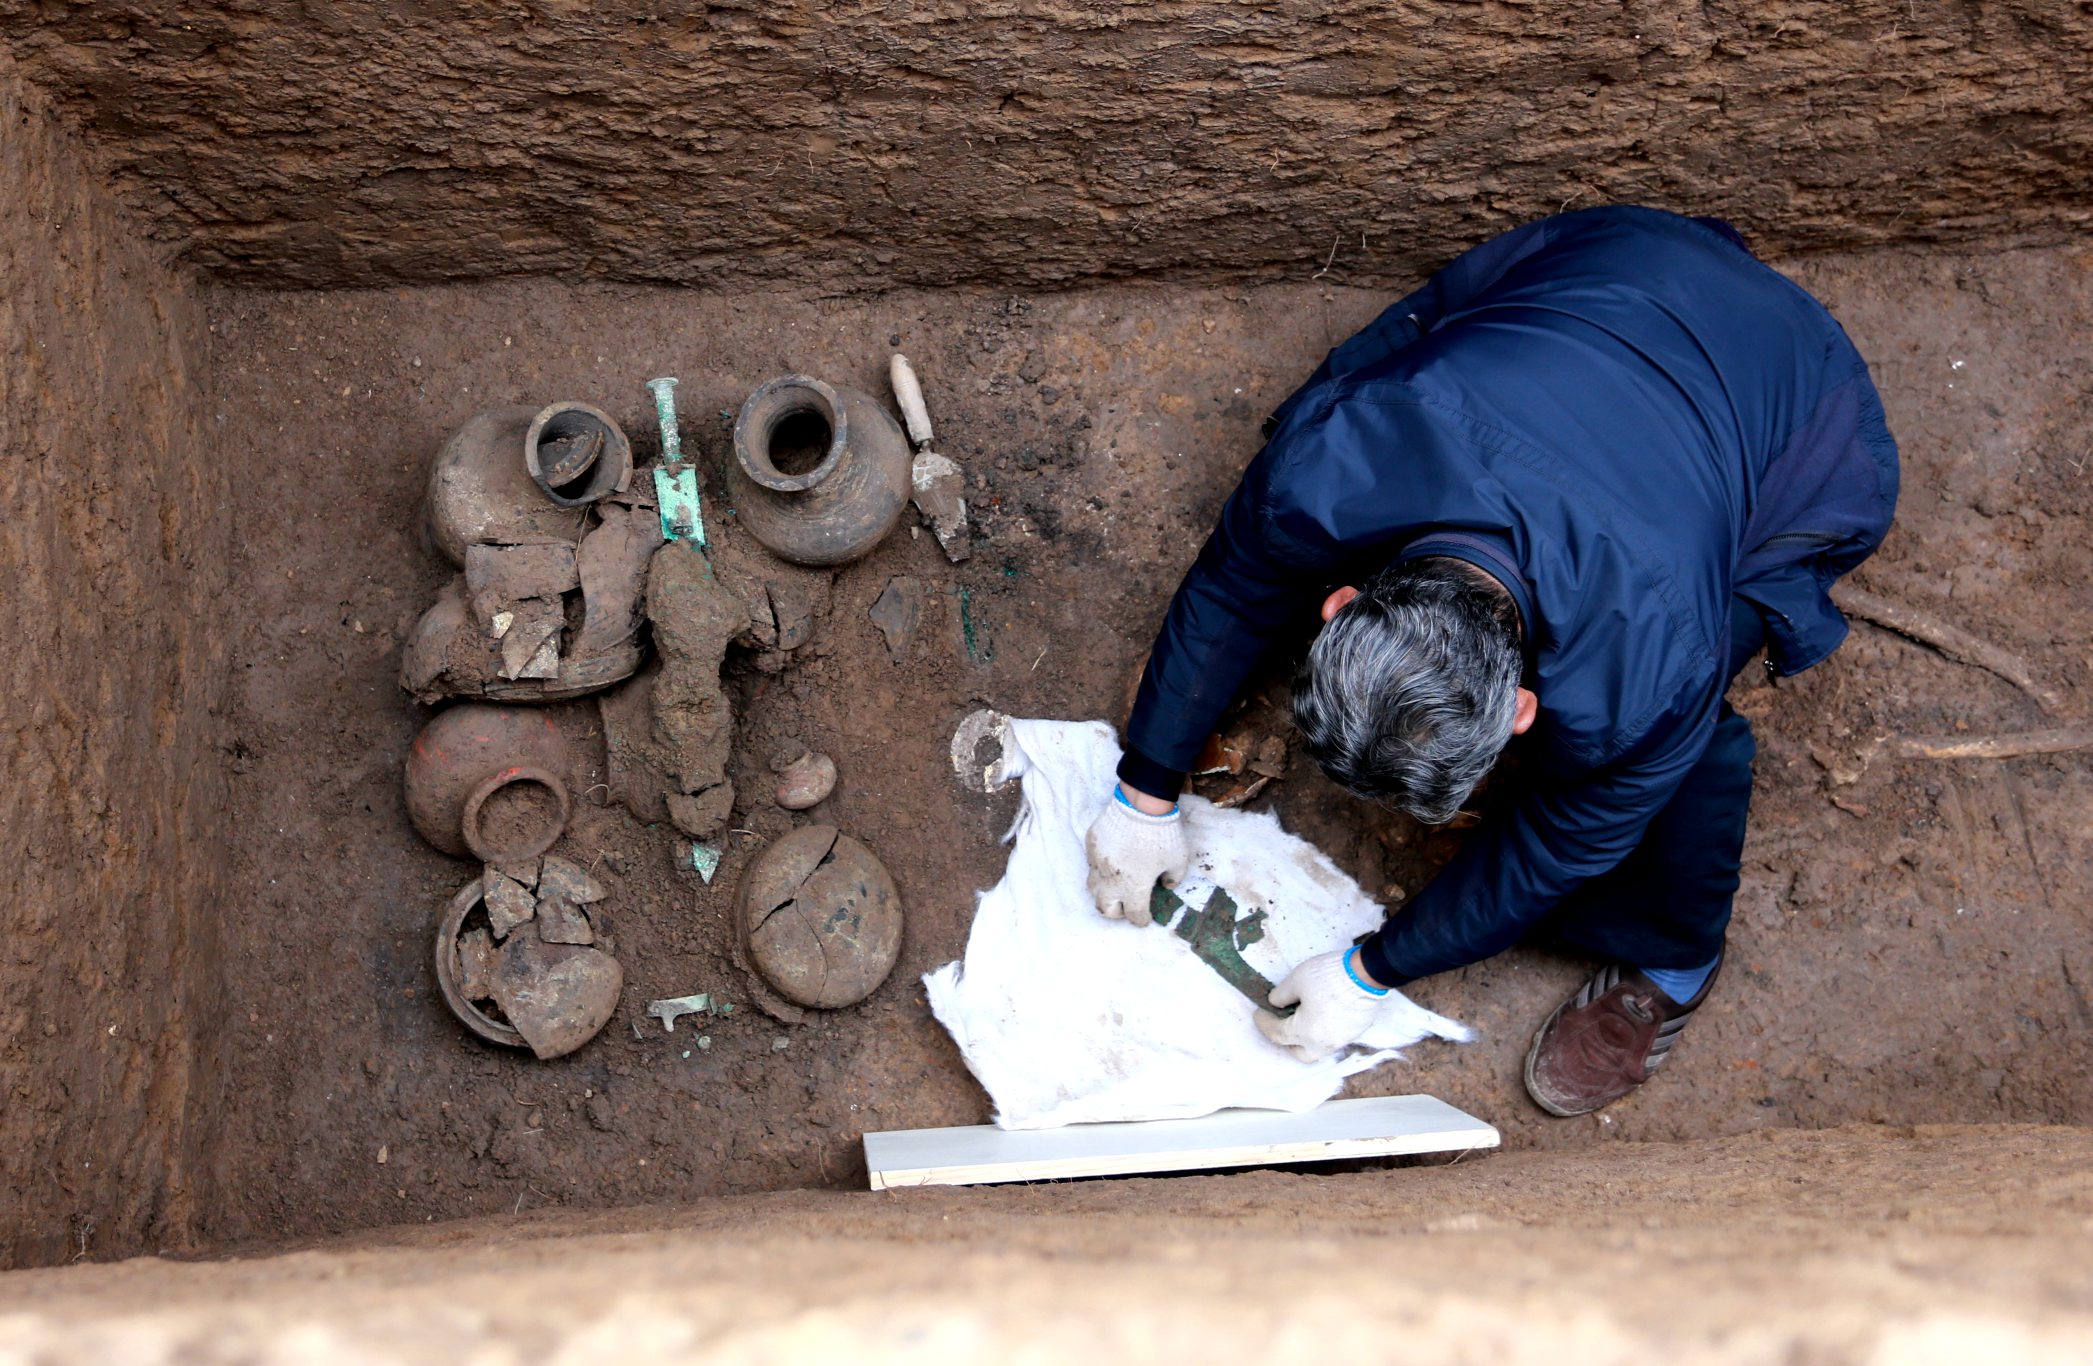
x=664 y=391
x=909 y=395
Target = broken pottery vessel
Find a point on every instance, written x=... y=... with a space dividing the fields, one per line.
x=576 y=455
x=820 y=918
x=548 y=606
x=821 y=473
x=545 y=981
x=486 y=781
x=535 y=621
x=484 y=490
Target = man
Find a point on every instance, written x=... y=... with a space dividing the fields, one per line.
x=1565 y=490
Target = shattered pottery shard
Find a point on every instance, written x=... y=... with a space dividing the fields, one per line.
x=560 y=921
x=557 y=996
x=496 y=575
x=508 y=904
x=530 y=648
x=562 y=878
x=524 y=871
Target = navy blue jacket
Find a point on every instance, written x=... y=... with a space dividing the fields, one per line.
x=1630 y=420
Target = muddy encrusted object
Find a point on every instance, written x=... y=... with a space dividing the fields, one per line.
x=486 y=781
x=668 y=733
x=788 y=604
x=819 y=918
x=484 y=487
x=520 y=962
x=820 y=471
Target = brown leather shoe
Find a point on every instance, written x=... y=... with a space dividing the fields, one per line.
x=1606 y=1040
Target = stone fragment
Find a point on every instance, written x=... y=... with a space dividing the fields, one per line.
x=806 y=781
x=898 y=613
x=938 y=489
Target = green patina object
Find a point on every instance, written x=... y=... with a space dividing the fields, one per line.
x=977 y=650
x=675 y=480
x=1217 y=938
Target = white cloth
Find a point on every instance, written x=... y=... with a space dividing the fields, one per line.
x=1066 y=1017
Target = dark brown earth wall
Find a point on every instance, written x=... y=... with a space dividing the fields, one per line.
x=934 y=142
x=113 y=541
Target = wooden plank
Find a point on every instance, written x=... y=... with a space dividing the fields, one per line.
x=980 y=1154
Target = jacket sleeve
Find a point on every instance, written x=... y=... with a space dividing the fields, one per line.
x=1239 y=596
x=1512 y=872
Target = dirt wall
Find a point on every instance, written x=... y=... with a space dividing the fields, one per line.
x=113 y=547
x=1862 y=1246
x=1031 y=143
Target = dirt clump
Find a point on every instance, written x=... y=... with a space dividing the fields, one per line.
x=692 y=721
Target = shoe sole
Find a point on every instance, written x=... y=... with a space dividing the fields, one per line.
x=1533 y=1054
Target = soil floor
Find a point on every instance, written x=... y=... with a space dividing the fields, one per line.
x=1927 y=1247
x=1911 y=948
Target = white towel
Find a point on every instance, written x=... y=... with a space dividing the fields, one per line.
x=1067 y=1017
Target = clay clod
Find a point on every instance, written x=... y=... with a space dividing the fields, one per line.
x=820 y=918
x=690 y=723
x=806 y=781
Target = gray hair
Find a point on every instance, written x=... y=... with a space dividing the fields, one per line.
x=1409 y=693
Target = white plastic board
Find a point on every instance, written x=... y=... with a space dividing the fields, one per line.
x=981 y=1154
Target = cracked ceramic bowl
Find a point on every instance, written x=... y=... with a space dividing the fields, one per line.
x=820 y=918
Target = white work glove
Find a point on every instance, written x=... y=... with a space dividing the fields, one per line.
x=1129 y=854
x=1333 y=1007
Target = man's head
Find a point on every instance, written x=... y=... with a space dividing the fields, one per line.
x=1412 y=688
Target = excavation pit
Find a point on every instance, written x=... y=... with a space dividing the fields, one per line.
x=237 y=344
